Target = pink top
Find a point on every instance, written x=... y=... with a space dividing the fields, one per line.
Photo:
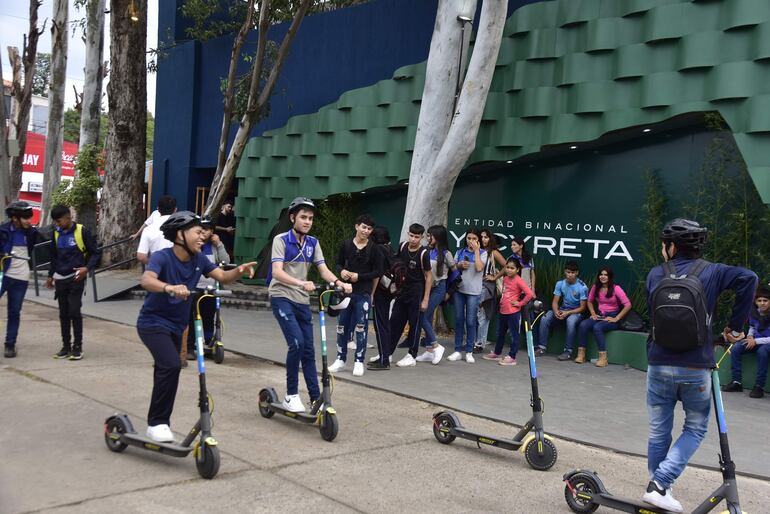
x=609 y=304
x=512 y=289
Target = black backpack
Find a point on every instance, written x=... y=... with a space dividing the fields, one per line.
x=395 y=275
x=680 y=319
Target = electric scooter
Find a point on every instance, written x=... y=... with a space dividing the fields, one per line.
x=119 y=432
x=321 y=413
x=539 y=449
x=585 y=492
x=216 y=349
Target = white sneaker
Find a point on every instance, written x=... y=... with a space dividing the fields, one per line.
x=377 y=357
x=456 y=356
x=352 y=345
x=662 y=498
x=407 y=360
x=338 y=365
x=292 y=403
x=160 y=434
x=469 y=358
x=358 y=369
x=425 y=357
x=438 y=352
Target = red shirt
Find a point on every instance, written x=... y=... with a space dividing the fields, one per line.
x=512 y=289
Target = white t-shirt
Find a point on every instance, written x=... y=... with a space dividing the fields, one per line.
x=152 y=239
x=18 y=268
x=154 y=215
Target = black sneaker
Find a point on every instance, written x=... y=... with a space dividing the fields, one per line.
x=191 y=356
x=757 y=392
x=377 y=366
x=404 y=344
x=63 y=353
x=478 y=349
x=732 y=387
x=10 y=352
x=565 y=356
x=539 y=351
x=77 y=353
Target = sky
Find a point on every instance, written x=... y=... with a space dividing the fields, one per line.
x=14 y=23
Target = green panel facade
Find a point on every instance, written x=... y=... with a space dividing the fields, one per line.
x=568 y=71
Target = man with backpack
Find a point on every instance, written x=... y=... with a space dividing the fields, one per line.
x=411 y=279
x=360 y=265
x=73 y=254
x=682 y=295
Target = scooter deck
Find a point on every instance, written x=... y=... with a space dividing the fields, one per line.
x=173 y=449
x=629 y=505
x=507 y=444
x=301 y=416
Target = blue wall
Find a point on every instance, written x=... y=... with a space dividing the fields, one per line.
x=332 y=53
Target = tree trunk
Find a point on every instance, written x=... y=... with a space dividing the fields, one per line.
x=23 y=95
x=54 y=136
x=120 y=209
x=431 y=180
x=94 y=73
x=220 y=185
x=5 y=163
x=90 y=114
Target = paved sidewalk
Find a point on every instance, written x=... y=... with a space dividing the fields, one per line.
x=602 y=407
x=385 y=458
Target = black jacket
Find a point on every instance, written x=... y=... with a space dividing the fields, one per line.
x=64 y=260
x=367 y=262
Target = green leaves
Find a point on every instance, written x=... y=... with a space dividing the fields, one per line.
x=81 y=192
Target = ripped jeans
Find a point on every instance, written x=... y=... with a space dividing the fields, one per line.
x=354 y=318
x=296 y=323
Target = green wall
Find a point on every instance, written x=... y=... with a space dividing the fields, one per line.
x=568 y=71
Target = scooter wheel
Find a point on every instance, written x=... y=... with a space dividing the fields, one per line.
x=581 y=483
x=544 y=461
x=207 y=461
x=219 y=352
x=442 y=424
x=112 y=431
x=266 y=397
x=329 y=426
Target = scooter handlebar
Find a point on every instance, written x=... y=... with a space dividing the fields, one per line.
x=217 y=292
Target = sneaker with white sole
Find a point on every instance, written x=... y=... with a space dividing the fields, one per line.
x=426 y=356
x=469 y=358
x=338 y=365
x=160 y=433
x=438 y=352
x=406 y=360
x=358 y=369
x=352 y=345
x=456 y=356
x=377 y=357
x=292 y=403
x=662 y=498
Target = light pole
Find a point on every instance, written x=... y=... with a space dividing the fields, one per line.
x=465 y=17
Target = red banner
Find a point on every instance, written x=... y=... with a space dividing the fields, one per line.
x=34 y=155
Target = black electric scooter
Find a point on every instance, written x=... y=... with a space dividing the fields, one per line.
x=119 y=432
x=585 y=492
x=321 y=413
x=539 y=450
x=216 y=348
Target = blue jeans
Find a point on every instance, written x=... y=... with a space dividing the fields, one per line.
x=296 y=323
x=666 y=385
x=466 y=318
x=598 y=327
x=763 y=357
x=16 y=290
x=508 y=323
x=437 y=294
x=355 y=317
x=572 y=322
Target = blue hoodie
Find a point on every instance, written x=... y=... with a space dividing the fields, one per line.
x=715 y=279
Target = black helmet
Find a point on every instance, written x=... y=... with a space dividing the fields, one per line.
x=338 y=302
x=207 y=222
x=20 y=209
x=301 y=202
x=684 y=232
x=180 y=220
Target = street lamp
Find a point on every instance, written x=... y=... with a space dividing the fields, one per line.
x=464 y=17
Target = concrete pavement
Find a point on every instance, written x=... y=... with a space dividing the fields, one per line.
x=604 y=407
x=385 y=458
